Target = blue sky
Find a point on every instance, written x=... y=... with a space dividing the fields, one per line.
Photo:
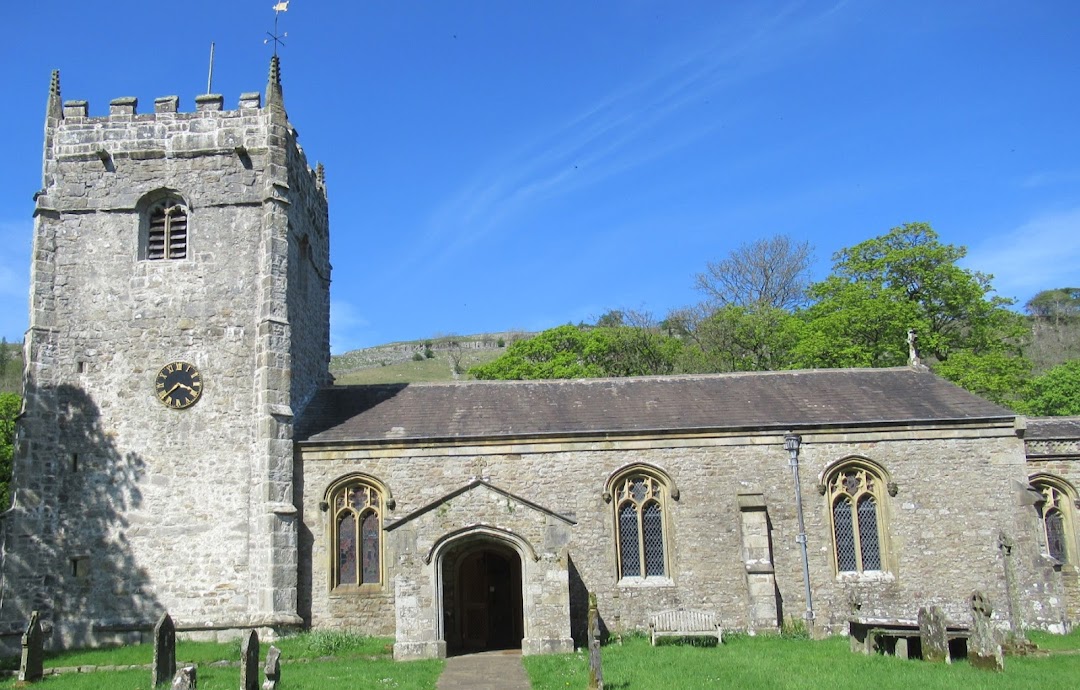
x=499 y=164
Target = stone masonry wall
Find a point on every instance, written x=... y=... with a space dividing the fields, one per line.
x=125 y=507
x=955 y=494
x=1059 y=459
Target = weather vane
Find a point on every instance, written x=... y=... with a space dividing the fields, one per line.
x=275 y=37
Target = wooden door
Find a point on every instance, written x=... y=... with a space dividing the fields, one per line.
x=474 y=587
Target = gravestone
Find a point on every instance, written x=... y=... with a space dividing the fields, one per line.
x=596 y=673
x=272 y=668
x=185 y=679
x=164 y=651
x=31 y=666
x=984 y=651
x=249 y=662
x=934 y=635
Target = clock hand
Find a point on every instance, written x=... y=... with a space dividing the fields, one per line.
x=175 y=386
x=187 y=388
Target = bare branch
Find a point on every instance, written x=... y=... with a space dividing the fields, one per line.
x=767 y=272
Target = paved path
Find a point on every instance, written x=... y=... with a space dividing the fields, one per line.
x=484 y=671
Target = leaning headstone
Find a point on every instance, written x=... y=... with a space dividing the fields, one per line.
x=933 y=635
x=249 y=662
x=185 y=679
x=984 y=651
x=31 y=666
x=272 y=668
x=1018 y=641
x=596 y=672
x=164 y=651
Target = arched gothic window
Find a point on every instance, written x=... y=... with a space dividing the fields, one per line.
x=640 y=501
x=356 y=534
x=856 y=492
x=1057 y=515
x=164 y=231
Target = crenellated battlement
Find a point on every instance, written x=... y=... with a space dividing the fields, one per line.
x=127 y=107
x=251 y=139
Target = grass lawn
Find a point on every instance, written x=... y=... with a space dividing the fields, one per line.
x=774 y=662
x=341 y=660
x=356 y=662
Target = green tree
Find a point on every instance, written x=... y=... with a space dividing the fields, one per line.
x=737 y=338
x=611 y=319
x=569 y=352
x=9 y=409
x=1059 y=304
x=907 y=279
x=1055 y=393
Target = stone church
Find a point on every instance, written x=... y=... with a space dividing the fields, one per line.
x=183 y=447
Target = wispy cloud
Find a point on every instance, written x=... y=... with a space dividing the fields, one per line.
x=1049 y=178
x=15 y=238
x=625 y=129
x=1040 y=254
x=346 y=326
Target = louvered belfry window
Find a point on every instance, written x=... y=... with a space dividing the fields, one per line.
x=855 y=495
x=640 y=516
x=357 y=529
x=167 y=230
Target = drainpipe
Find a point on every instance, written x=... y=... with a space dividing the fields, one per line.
x=791 y=445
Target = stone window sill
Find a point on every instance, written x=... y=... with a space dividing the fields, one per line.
x=356 y=590
x=866 y=576
x=646 y=582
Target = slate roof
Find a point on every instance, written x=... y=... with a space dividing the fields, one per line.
x=1052 y=428
x=768 y=400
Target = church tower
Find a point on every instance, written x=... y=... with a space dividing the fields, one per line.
x=179 y=321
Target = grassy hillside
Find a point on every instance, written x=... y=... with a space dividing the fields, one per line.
x=437 y=359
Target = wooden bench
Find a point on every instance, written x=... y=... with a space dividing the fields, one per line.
x=684 y=623
x=900 y=638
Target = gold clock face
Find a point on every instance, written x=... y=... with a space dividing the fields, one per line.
x=178 y=385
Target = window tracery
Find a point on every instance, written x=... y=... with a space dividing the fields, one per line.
x=356 y=534
x=1057 y=517
x=856 y=492
x=639 y=501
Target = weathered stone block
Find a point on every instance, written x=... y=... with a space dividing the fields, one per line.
x=933 y=635
x=31 y=665
x=186 y=679
x=164 y=666
x=249 y=661
x=984 y=648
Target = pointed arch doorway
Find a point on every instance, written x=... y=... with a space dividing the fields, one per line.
x=482 y=597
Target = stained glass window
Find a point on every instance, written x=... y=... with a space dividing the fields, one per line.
x=346 y=549
x=1055 y=535
x=1057 y=517
x=854 y=494
x=369 y=532
x=357 y=534
x=640 y=517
